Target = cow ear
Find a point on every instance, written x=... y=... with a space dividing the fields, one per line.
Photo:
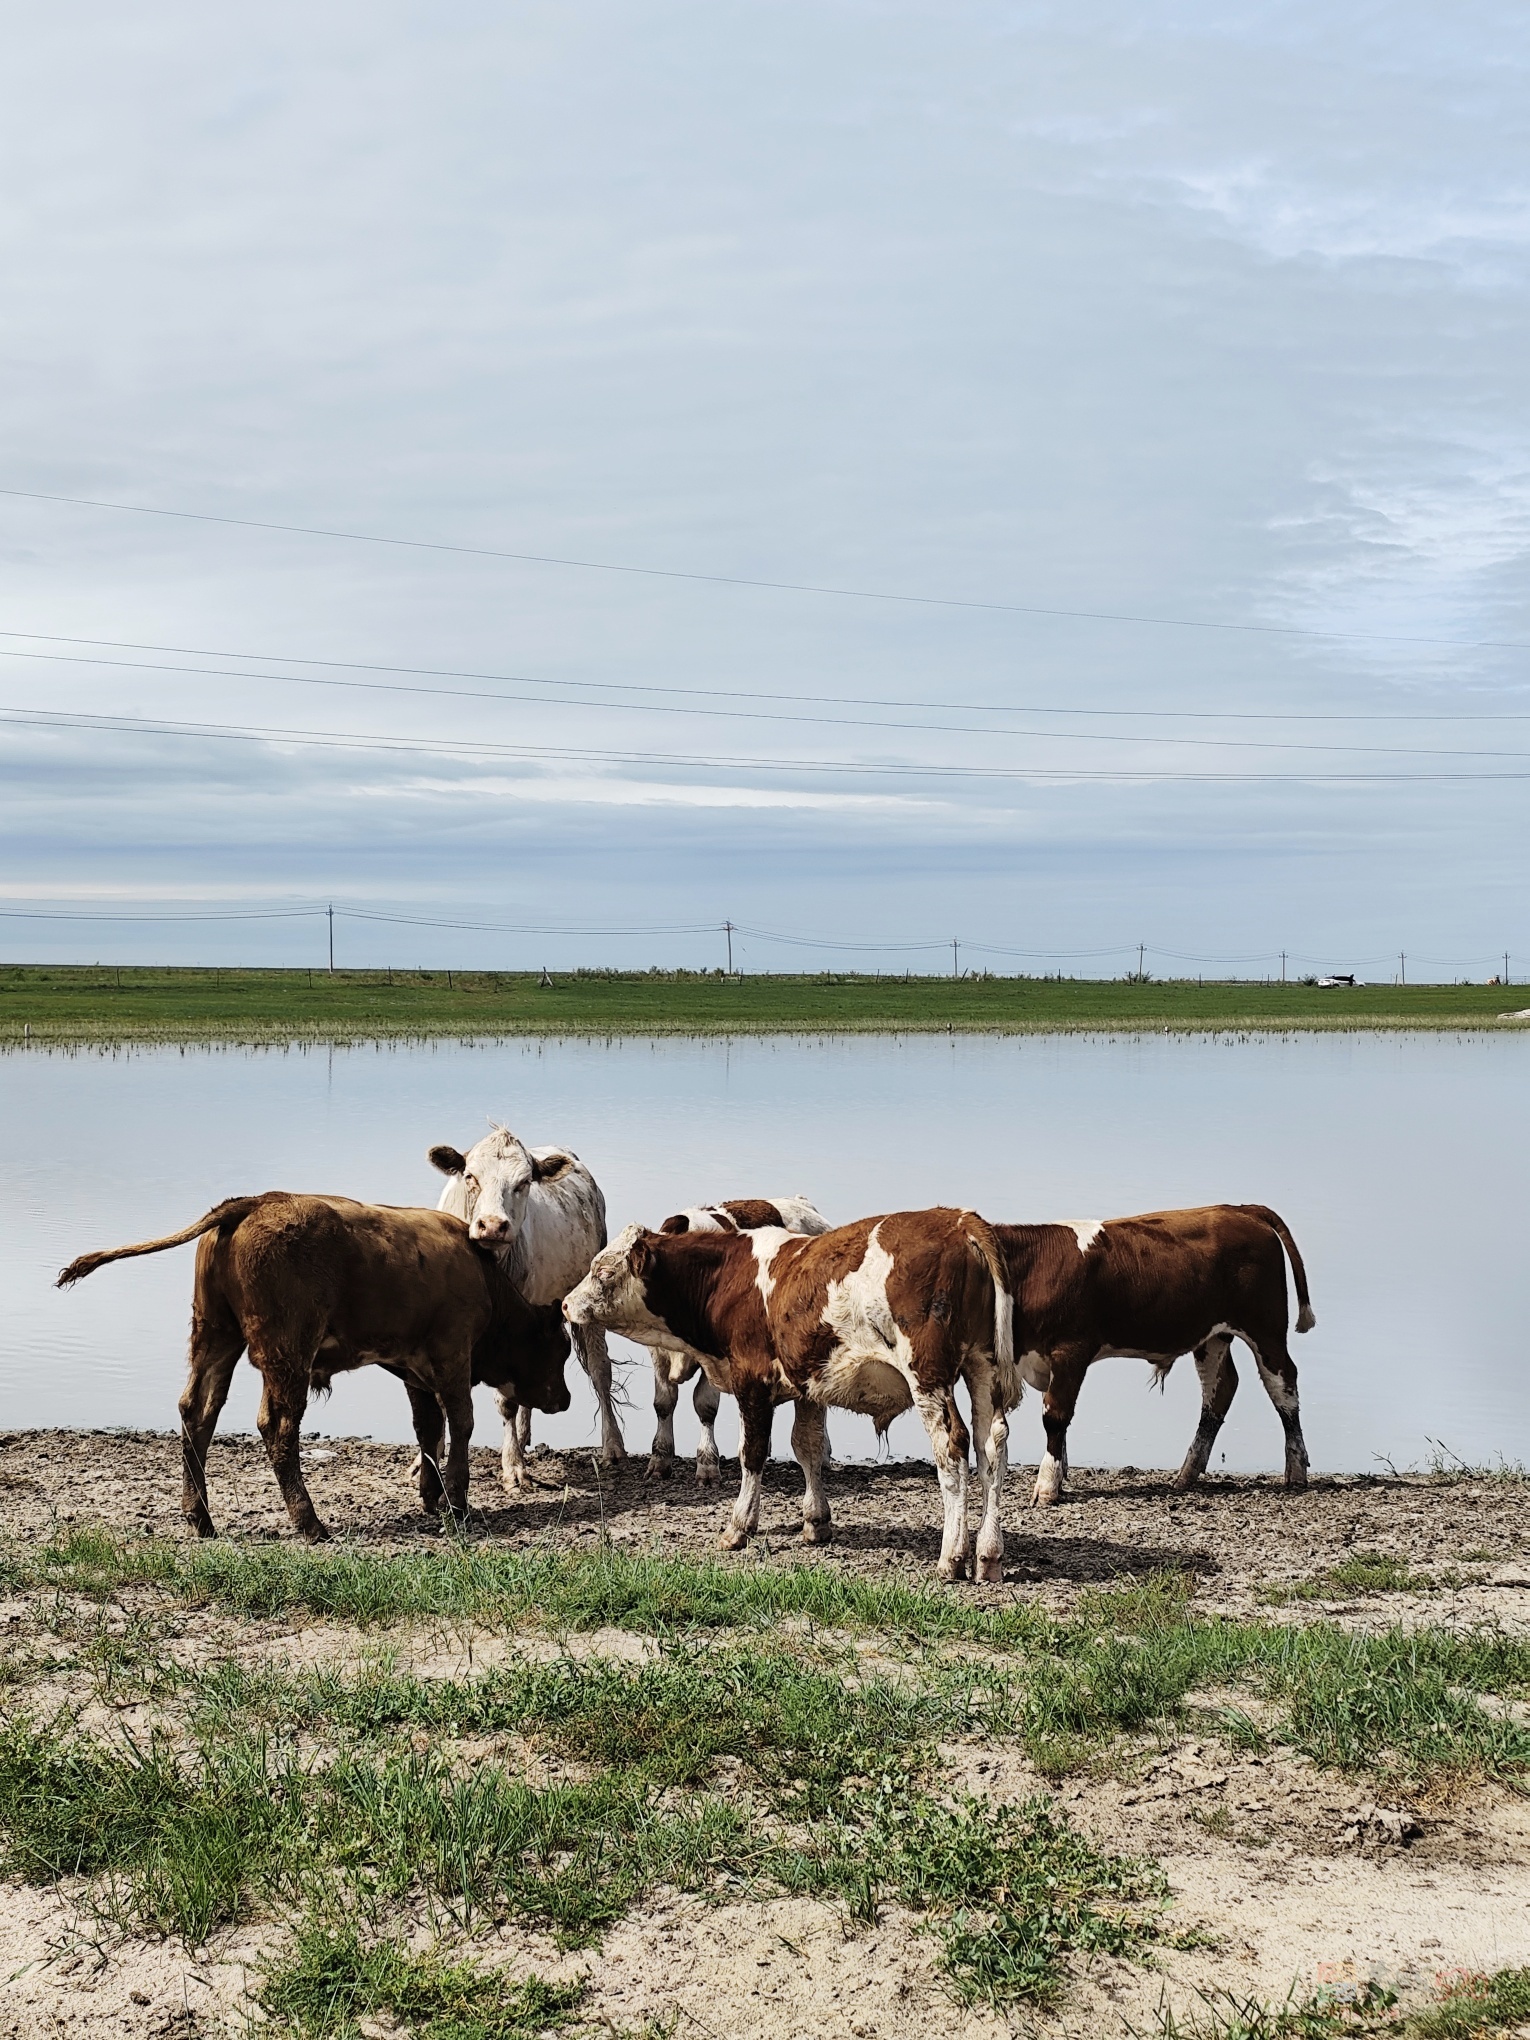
x=639 y=1255
x=448 y=1161
x=550 y=1167
x=678 y=1224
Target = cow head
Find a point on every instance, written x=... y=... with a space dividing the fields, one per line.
x=497 y=1178
x=541 y=1352
x=613 y=1294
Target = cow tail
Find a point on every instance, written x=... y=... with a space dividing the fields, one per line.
x=981 y=1234
x=227 y=1214
x=1306 y=1317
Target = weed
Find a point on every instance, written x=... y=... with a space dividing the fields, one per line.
x=332 y=1980
x=1488 y=2004
x=1363 y=1572
x=1324 y=2015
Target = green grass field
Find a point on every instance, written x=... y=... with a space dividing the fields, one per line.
x=99 y=1003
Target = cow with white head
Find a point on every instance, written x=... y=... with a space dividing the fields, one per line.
x=541 y=1212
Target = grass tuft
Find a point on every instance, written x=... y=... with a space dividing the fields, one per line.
x=332 y=1980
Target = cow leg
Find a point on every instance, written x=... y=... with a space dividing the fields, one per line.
x=990 y=1441
x=216 y=1345
x=281 y=1416
x=429 y=1424
x=1277 y=1370
x=810 y=1444
x=1057 y=1409
x=595 y=1359
x=512 y=1452
x=755 y=1413
x=949 y=1443
x=456 y=1398
x=666 y=1395
x=707 y=1401
x=1219 y=1384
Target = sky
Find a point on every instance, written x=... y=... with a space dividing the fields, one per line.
x=1053 y=477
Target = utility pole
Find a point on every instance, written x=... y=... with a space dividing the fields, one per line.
x=1506 y=966
x=1402 y=968
x=331 y=940
x=1282 y=966
x=728 y=927
x=954 y=971
x=1141 y=946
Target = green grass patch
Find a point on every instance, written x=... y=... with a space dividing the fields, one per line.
x=1319 y=2015
x=1497 y=2002
x=1363 y=1572
x=333 y=1979
x=88 y=1004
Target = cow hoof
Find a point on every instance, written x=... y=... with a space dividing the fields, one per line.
x=1184 y=1479
x=660 y=1465
x=206 y=1528
x=316 y=1533
x=1044 y=1498
x=990 y=1571
x=953 y=1568
x=708 y=1473
x=1296 y=1478
x=612 y=1453
x=733 y=1540
x=817 y=1533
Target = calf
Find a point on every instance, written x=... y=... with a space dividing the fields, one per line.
x=1152 y=1288
x=876 y=1316
x=673 y=1366
x=314 y=1286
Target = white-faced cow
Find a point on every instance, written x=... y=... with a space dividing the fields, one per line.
x=1152 y=1288
x=673 y=1366
x=876 y=1316
x=542 y=1213
x=314 y=1286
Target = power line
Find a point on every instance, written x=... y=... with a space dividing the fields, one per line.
x=1136 y=618
x=125 y=725
x=805 y=721
x=816 y=699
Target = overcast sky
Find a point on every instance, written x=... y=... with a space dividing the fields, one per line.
x=1212 y=314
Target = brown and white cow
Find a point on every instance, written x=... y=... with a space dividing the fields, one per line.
x=1152 y=1288
x=314 y=1286
x=876 y=1316
x=673 y=1366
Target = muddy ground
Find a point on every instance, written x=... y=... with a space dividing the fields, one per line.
x=1284 y=1875
x=1238 y=1535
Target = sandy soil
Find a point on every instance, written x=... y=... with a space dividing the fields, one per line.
x=1288 y=1875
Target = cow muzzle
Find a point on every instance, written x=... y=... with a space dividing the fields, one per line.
x=490 y=1227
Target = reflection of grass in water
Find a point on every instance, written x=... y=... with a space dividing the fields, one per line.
x=88 y=1003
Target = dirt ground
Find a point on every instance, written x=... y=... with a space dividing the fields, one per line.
x=1282 y=1874
x=1236 y=1534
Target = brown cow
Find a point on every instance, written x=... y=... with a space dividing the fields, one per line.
x=1152 y=1288
x=314 y=1286
x=873 y=1317
x=672 y=1367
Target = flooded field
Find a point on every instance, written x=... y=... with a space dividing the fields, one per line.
x=1400 y=1162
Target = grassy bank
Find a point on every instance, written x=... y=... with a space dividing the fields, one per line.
x=381 y=1822
x=56 y=1003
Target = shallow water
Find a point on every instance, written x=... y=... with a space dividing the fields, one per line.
x=1400 y=1162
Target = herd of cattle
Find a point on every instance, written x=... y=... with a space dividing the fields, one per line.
x=762 y=1299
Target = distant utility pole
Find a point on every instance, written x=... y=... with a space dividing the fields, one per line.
x=1402 y=968
x=1506 y=966
x=1141 y=947
x=1282 y=966
x=954 y=971
x=728 y=926
x=331 y=941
